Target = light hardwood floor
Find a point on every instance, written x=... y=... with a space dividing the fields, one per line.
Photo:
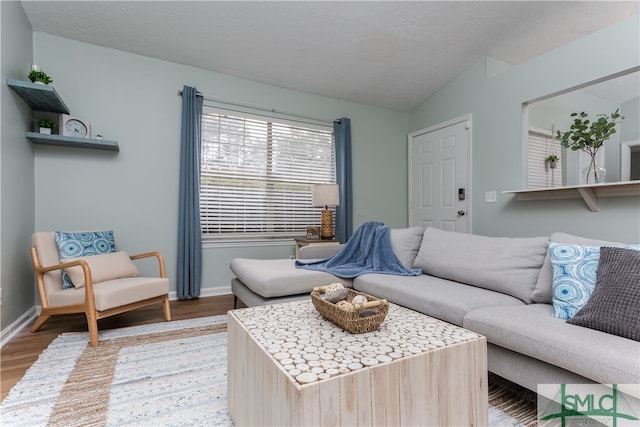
x=23 y=350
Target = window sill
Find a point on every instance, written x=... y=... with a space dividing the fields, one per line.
x=238 y=243
x=589 y=193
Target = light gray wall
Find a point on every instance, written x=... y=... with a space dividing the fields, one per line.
x=495 y=100
x=133 y=99
x=630 y=126
x=16 y=169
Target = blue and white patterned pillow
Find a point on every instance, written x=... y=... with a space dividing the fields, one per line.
x=574 y=276
x=74 y=245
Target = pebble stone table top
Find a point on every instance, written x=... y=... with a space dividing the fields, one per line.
x=309 y=348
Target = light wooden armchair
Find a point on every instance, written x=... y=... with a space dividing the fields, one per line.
x=96 y=300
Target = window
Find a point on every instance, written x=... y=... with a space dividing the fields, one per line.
x=257 y=173
x=540 y=145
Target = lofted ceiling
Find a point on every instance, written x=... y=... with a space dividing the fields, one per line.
x=391 y=54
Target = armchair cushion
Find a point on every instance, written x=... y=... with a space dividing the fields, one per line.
x=114 y=293
x=82 y=244
x=114 y=265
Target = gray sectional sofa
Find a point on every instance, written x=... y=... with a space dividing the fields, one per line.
x=496 y=286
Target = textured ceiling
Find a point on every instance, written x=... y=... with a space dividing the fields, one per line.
x=391 y=54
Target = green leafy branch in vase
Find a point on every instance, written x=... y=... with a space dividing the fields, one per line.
x=590 y=136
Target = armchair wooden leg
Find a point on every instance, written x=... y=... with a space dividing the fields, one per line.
x=40 y=321
x=167 y=308
x=92 y=322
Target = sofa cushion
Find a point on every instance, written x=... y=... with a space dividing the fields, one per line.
x=532 y=331
x=279 y=277
x=613 y=306
x=251 y=299
x=405 y=243
x=111 y=266
x=543 y=292
x=502 y=264
x=440 y=298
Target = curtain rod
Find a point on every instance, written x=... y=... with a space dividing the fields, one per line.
x=261 y=108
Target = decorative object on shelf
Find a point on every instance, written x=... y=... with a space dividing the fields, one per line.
x=74 y=126
x=46 y=126
x=551 y=163
x=313 y=232
x=325 y=195
x=39 y=77
x=594 y=173
x=98 y=136
x=589 y=136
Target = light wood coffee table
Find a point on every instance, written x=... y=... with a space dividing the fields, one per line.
x=288 y=366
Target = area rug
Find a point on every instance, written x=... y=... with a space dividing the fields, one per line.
x=165 y=374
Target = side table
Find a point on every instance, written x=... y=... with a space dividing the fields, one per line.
x=313 y=242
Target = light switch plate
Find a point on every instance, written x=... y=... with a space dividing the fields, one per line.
x=490 y=197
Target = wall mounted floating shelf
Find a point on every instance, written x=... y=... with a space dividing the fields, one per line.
x=589 y=193
x=70 y=141
x=45 y=98
x=39 y=97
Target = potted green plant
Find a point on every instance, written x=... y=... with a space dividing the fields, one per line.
x=39 y=77
x=552 y=160
x=589 y=137
x=46 y=125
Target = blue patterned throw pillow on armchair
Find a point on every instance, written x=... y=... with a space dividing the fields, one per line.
x=79 y=244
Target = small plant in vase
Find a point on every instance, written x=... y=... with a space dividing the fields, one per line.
x=552 y=161
x=41 y=77
x=589 y=137
x=46 y=125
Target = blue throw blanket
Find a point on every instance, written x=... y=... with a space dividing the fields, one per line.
x=367 y=251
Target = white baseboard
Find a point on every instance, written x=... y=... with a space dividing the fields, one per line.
x=18 y=325
x=214 y=292
x=24 y=320
x=206 y=292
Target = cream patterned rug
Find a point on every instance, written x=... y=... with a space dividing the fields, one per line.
x=165 y=374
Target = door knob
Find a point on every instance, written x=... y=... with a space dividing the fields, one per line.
x=461 y=212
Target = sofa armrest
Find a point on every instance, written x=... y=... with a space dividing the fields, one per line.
x=319 y=252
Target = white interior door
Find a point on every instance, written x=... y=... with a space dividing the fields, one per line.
x=439 y=190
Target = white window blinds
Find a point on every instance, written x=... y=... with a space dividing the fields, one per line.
x=257 y=173
x=539 y=146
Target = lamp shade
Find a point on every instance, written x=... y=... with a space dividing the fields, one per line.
x=325 y=195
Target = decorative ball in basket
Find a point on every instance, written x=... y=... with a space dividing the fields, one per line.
x=353 y=311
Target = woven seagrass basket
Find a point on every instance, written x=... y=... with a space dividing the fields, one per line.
x=350 y=320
